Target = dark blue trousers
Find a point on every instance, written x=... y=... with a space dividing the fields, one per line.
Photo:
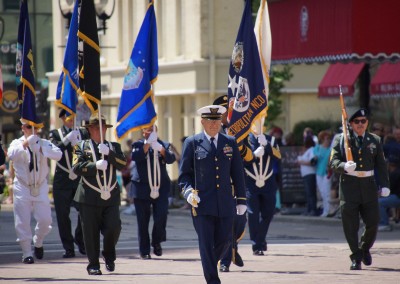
x=143 y=213
x=260 y=209
x=239 y=226
x=215 y=235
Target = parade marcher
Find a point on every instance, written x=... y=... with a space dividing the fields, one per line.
x=358 y=191
x=261 y=187
x=65 y=184
x=30 y=155
x=149 y=192
x=210 y=161
x=239 y=221
x=98 y=193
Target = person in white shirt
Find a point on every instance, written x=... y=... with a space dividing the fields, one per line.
x=307 y=171
x=30 y=155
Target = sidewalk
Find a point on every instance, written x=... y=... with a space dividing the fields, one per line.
x=300 y=250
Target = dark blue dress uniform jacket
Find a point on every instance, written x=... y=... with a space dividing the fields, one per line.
x=140 y=182
x=211 y=175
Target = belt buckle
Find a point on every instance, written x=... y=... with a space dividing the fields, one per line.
x=361 y=174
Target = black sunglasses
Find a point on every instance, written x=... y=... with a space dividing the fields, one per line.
x=358 y=121
x=28 y=126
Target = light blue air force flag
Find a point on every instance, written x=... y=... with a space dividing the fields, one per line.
x=68 y=84
x=136 y=107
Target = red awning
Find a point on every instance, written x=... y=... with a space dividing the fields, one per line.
x=339 y=74
x=310 y=31
x=386 y=81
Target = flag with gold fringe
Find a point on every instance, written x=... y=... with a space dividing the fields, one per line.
x=68 y=84
x=246 y=99
x=89 y=56
x=136 y=108
x=25 y=69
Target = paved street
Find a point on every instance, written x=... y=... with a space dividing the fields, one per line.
x=300 y=249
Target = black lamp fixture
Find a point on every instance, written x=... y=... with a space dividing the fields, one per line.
x=66 y=8
x=104 y=11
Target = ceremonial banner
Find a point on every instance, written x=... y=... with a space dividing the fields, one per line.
x=262 y=31
x=25 y=70
x=68 y=84
x=89 y=56
x=246 y=97
x=136 y=107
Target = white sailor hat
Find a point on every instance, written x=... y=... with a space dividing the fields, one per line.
x=211 y=112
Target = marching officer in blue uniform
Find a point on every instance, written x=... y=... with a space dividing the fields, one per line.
x=98 y=193
x=358 y=189
x=210 y=165
x=239 y=221
x=261 y=188
x=65 y=183
x=150 y=189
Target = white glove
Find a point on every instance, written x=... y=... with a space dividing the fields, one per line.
x=103 y=149
x=241 y=209
x=35 y=148
x=32 y=139
x=385 y=192
x=259 y=152
x=101 y=165
x=193 y=199
x=73 y=137
x=152 y=138
x=350 y=166
x=156 y=146
x=262 y=140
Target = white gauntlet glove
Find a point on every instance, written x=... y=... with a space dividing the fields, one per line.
x=241 y=209
x=32 y=139
x=156 y=146
x=193 y=199
x=35 y=148
x=73 y=137
x=259 y=152
x=103 y=149
x=350 y=166
x=101 y=165
x=262 y=140
x=152 y=138
x=385 y=192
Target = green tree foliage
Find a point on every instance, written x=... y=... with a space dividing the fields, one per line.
x=276 y=84
x=316 y=125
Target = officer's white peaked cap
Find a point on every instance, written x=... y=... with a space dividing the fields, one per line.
x=212 y=112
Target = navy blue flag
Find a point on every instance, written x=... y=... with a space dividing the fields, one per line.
x=89 y=57
x=25 y=70
x=68 y=84
x=246 y=92
x=136 y=107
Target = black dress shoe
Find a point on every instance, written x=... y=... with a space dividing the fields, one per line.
x=258 y=252
x=157 y=249
x=69 y=254
x=110 y=265
x=39 y=252
x=224 y=268
x=94 y=271
x=355 y=265
x=367 y=258
x=28 y=260
x=237 y=259
x=145 y=256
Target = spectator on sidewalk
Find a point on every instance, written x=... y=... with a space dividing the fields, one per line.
x=307 y=164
